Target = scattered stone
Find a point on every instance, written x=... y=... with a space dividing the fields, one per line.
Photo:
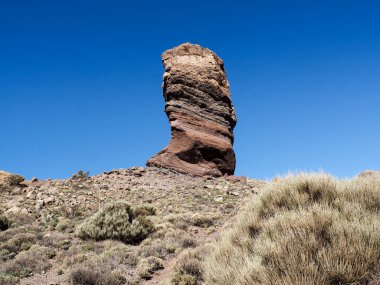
x=34 y=179
x=49 y=200
x=219 y=199
x=16 y=191
x=237 y=179
x=200 y=113
x=39 y=205
x=30 y=194
x=17 y=210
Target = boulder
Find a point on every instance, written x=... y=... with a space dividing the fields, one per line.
x=200 y=113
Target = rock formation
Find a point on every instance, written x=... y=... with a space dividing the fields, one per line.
x=200 y=113
x=367 y=173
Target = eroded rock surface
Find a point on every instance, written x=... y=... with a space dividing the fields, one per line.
x=200 y=113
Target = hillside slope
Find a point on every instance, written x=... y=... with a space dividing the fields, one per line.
x=41 y=246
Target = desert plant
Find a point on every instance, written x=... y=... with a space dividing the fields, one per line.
x=116 y=221
x=188 y=269
x=19 y=242
x=89 y=276
x=303 y=229
x=202 y=220
x=33 y=260
x=81 y=175
x=147 y=266
x=6 y=279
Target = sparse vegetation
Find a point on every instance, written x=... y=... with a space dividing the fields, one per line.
x=147 y=266
x=305 y=229
x=81 y=175
x=89 y=276
x=189 y=266
x=117 y=221
x=6 y=279
x=33 y=260
x=202 y=220
x=49 y=214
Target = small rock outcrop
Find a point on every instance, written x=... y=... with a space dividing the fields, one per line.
x=367 y=173
x=200 y=113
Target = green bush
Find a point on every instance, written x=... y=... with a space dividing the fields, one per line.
x=116 y=221
x=306 y=229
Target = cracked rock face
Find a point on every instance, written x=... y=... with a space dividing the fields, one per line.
x=200 y=113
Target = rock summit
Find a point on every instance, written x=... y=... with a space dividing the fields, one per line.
x=200 y=112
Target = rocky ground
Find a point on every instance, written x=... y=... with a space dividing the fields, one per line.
x=41 y=247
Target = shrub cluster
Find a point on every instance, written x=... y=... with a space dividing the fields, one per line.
x=118 y=221
x=306 y=229
x=89 y=276
x=147 y=266
x=81 y=175
x=189 y=268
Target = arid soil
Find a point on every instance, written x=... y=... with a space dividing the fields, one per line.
x=41 y=247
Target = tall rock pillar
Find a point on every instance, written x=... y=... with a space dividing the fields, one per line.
x=200 y=112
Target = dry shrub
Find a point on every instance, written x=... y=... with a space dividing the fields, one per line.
x=116 y=221
x=147 y=266
x=157 y=247
x=179 y=239
x=306 y=229
x=8 y=280
x=19 y=242
x=204 y=220
x=36 y=259
x=89 y=276
x=189 y=268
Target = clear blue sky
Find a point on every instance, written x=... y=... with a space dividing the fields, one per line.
x=80 y=82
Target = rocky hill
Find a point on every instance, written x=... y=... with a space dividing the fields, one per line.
x=41 y=246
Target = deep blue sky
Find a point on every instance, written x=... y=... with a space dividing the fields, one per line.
x=80 y=82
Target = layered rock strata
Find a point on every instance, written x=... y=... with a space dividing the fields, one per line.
x=200 y=112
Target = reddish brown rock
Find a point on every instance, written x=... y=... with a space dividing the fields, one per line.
x=200 y=113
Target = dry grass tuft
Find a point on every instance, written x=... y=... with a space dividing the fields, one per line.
x=189 y=266
x=147 y=266
x=304 y=229
x=89 y=276
x=35 y=260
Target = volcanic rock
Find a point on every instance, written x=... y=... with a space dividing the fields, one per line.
x=200 y=112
